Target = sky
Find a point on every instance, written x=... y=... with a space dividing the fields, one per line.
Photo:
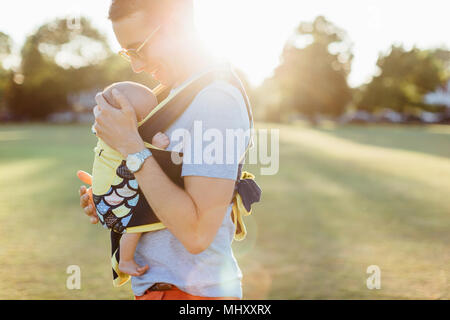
x=252 y=33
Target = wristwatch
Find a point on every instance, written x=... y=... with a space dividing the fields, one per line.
x=136 y=160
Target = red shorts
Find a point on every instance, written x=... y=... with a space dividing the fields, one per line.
x=176 y=294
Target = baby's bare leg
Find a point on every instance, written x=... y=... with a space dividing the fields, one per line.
x=160 y=140
x=128 y=244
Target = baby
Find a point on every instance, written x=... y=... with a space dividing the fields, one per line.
x=143 y=101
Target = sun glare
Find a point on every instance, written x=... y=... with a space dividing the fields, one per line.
x=252 y=33
x=248 y=33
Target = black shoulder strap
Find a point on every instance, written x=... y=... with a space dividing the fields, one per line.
x=231 y=77
x=178 y=103
x=174 y=108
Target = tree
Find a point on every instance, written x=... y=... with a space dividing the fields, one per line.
x=313 y=80
x=5 y=45
x=443 y=56
x=5 y=50
x=62 y=59
x=49 y=57
x=404 y=78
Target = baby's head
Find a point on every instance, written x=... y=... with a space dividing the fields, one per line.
x=140 y=97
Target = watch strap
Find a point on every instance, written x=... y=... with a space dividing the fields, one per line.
x=142 y=156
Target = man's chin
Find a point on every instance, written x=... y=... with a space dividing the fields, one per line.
x=163 y=79
x=162 y=76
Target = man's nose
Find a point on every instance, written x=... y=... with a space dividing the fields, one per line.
x=137 y=65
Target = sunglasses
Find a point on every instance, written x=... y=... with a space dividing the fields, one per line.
x=129 y=54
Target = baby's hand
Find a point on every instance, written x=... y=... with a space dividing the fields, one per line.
x=160 y=140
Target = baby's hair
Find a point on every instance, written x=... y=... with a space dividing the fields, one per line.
x=141 y=97
x=107 y=92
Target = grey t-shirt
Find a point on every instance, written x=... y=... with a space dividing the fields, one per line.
x=214 y=272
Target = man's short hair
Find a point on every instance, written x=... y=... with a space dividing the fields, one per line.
x=122 y=8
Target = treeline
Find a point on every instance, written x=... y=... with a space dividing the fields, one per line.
x=59 y=62
x=312 y=80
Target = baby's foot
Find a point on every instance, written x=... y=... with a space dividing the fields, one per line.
x=160 y=140
x=132 y=268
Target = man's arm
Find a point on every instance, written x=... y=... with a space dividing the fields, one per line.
x=194 y=214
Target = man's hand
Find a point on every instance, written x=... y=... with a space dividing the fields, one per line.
x=117 y=127
x=86 y=200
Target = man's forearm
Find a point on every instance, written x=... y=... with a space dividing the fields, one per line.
x=171 y=204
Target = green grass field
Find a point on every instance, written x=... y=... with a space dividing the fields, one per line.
x=345 y=198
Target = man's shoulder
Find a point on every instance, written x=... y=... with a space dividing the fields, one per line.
x=220 y=98
x=220 y=89
x=219 y=102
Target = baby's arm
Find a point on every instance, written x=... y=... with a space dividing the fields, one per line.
x=160 y=140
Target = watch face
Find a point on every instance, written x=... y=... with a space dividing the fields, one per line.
x=133 y=163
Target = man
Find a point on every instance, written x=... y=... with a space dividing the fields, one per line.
x=193 y=256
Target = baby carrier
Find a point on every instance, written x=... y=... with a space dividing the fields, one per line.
x=120 y=204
